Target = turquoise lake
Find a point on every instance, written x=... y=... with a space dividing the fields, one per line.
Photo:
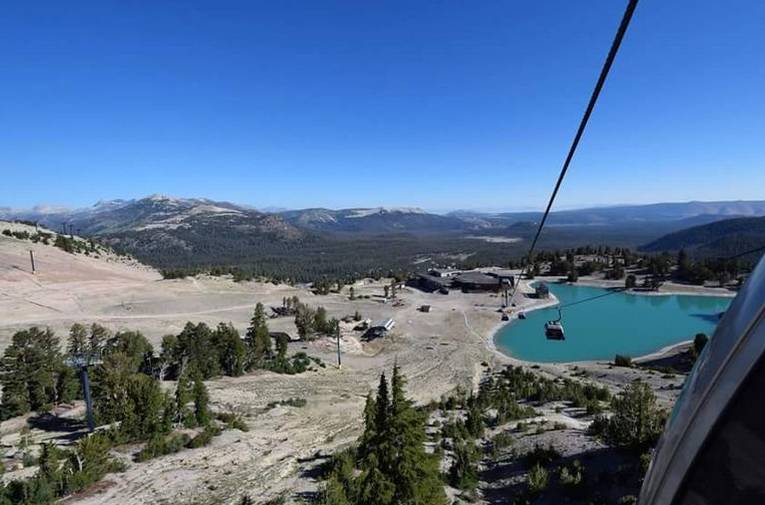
x=628 y=324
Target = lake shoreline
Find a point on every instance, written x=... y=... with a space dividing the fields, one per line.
x=537 y=304
x=667 y=289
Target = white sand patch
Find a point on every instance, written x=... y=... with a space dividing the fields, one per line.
x=495 y=239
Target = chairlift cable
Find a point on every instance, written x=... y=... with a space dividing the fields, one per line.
x=745 y=253
x=610 y=292
x=582 y=125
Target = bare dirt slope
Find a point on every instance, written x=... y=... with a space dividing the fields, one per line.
x=437 y=351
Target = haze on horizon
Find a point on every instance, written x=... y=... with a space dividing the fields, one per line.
x=451 y=106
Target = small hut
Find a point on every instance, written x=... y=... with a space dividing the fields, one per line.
x=541 y=290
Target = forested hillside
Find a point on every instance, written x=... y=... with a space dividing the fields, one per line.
x=720 y=239
x=187 y=235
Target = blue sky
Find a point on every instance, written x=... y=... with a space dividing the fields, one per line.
x=446 y=104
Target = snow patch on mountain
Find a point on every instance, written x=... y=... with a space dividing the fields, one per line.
x=356 y=213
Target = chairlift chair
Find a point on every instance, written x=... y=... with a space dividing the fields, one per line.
x=554 y=329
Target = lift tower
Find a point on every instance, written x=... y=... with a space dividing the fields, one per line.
x=82 y=361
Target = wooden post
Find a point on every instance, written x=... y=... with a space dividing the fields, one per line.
x=32 y=259
x=337 y=333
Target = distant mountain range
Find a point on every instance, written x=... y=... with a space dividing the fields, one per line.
x=375 y=220
x=684 y=214
x=155 y=212
x=719 y=239
x=172 y=232
x=158 y=211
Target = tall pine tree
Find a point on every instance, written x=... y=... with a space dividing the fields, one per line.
x=258 y=338
x=395 y=467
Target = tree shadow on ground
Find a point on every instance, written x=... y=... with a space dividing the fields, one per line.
x=49 y=422
x=315 y=466
x=71 y=429
x=609 y=474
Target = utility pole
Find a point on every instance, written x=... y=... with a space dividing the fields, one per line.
x=32 y=259
x=337 y=336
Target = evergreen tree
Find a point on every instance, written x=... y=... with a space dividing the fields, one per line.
x=68 y=386
x=49 y=464
x=168 y=355
x=196 y=345
x=109 y=388
x=463 y=473
x=231 y=349
x=88 y=462
x=637 y=421
x=134 y=346
x=29 y=372
x=414 y=472
x=78 y=340
x=201 y=400
x=98 y=337
x=474 y=421
x=183 y=396
x=382 y=403
x=305 y=321
x=320 y=320
x=145 y=414
x=396 y=468
x=684 y=265
x=370 y=428
x=334 y=494
x=258 y=337
x=282 y=344
x=375 y=488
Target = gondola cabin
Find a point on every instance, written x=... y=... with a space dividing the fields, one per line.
x=554 y=330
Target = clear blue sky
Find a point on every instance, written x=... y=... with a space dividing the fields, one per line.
x=438 y=104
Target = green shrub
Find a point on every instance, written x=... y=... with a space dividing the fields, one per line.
x=637 y=421
x=537 y=479
x=624 y=361
x=290 y=402
x=463 y=473
x=203 y=438
x=699 y=341
x=571 y=476
x=541 y=456
x=598 y=427
x=160 y=445
x=645 y=461
x=232 y=421
x=502 y=440
x=28 y=459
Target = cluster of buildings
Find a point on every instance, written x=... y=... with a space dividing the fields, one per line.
x=471 y=281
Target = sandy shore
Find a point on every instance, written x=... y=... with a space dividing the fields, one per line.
x=668 y=288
